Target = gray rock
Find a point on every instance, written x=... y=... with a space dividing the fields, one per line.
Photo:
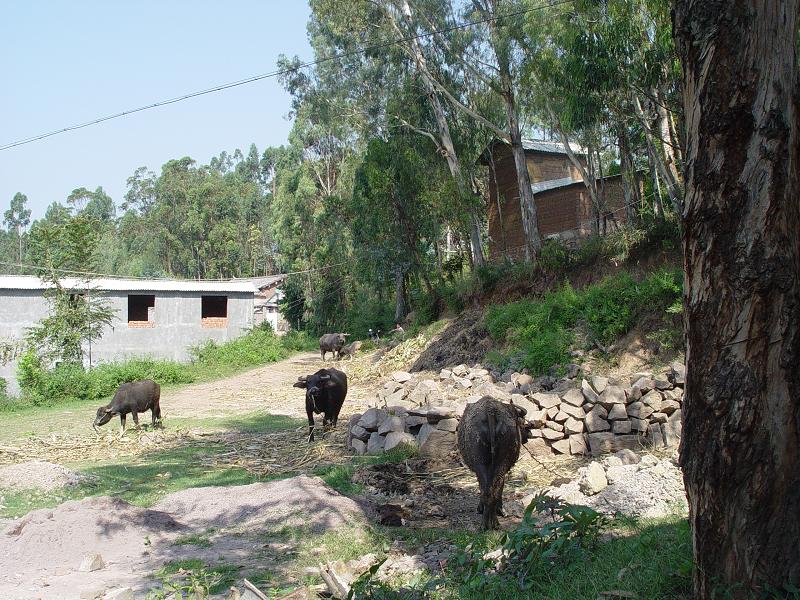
x=648 y=461
x=663 y=384
x=561 y=446
x=438 y=444
x=120 y=594
x=639 y=410
x=670 y=406
x=415 y=420
x=574 y=397
x=476 y=373
x=640 y=425
x=658 y=417
x=573 y=370
x=634 y=394
x=561 y=417
x=611 y=461
x=424 y=432
x=621 y=427
x=493 y=391
x=91 y=562
x=396 y=397
x=524 y=379
x=463 y=382
x=552 y=434
x=677 y=373
x=605 y=441
x=628 y=457
x=612 y=395
x=372 y=419
x=672 y=429
x=617 y=412
x=596 y=420
x=655 y=437
x=523 y=402
x=359 y=447
x=545 y=400
x=401 y=376
x=445 y=374
x=538 y=447
x=618 y=473
x=392 y=424
x=437 y=413
x=653 y=400
x=447 y=424
x=573 y=426
x=554 y=426
x=588 y=392
x=535 y=433
x=460 y=370
x=375 y=443
x=552 y=411
x=674 y=394
x=599 y=383
x=426 y=392
x=358 y=432
x=395 y=438
x=576 y=412
x=578 y=445
x=592 y=479
x=644 y=384
x=537 y=417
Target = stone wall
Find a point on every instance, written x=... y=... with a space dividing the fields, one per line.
x=577 y=414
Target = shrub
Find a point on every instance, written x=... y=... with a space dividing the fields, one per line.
x=541 y=330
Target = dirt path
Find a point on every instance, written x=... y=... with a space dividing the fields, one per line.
x=267 y=389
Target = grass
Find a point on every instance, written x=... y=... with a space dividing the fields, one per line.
x=339 y=477
x=201 y=541
x=537 y=334
x=70 y=384
x=145 y=479
x=193 y=575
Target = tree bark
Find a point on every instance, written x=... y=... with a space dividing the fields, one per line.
x=740 y=450
x=630 y=186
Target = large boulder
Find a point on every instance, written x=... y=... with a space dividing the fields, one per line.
x=605 y=442
x=613 y=394
x=375 y=443
x=588 y=392
x=396 y=438
x=596 y=419
x=437 y=443
x=372 y=419
x=545 y=400
x=592 y=479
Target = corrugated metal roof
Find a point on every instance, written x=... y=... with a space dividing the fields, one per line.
x=554 y=147
x=263 y=282
x=552 y=184
x=27 y=282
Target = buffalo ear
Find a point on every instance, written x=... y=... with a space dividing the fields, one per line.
x=300 y=383
x=107 y=409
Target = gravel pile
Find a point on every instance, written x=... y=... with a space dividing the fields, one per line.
x=38 y=474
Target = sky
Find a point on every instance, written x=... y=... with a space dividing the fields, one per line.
x=64 y=62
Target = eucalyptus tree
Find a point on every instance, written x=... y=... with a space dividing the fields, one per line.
x=18 y=217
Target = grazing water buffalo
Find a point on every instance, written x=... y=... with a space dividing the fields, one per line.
x=134 y=397
x=350 y=350
x=325 y=393
x=490 y=435
x=332 y=342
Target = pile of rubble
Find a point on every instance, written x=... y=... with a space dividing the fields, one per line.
x=571 y=415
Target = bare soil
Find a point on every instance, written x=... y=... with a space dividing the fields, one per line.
x=40 y=554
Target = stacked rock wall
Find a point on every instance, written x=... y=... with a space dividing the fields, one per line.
x=573 y=415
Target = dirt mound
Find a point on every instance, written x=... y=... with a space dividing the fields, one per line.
x=38 y=474
x=41 y=553
x=465 y=341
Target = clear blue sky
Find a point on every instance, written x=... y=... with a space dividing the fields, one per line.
x=67 y=61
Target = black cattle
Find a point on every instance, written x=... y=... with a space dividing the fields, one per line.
x=490 y=435
x=325 y=393
x=134 y=398
x=332 y=342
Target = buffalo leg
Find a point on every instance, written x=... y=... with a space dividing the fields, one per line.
x=121 y=425
x=155 y=413
x=135 y=416
x=310 y=414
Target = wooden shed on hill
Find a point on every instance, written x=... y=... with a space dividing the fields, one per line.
x=563 y=203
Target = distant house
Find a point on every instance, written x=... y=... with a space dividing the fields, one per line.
x=156 y=318
x=268 y=297
x=563 y=204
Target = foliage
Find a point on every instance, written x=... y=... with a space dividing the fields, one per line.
x=552 y=534
x=77 y=315
x=70 y=382
x=541 y=331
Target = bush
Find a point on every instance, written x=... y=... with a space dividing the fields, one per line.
x=541 y=330
x=72 y=382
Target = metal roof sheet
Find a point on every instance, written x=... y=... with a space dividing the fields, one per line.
x=29 y=282
x=554 y=147
x=550 y=184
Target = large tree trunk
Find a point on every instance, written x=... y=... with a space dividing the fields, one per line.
x=740 y=450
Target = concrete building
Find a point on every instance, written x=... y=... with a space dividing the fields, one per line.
x=154 y=318
x=268 y=296
x=563 y=204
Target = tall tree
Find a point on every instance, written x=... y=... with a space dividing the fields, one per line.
x=18 y=217
x=741 y=430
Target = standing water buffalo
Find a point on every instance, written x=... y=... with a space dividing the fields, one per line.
x=350 y=350
x=134 y=397
x=332 y=342
x=490 y=435
x=325 y=393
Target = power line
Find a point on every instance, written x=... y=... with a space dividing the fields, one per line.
x=278 y=72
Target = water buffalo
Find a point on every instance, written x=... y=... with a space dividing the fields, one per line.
x=134 y=397
x=350 y=350
x=490 y=435
x=332 y=342
x=325 y=393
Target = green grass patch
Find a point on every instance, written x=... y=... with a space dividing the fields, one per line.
x=339 y=477
x=193 y=576
x=201 y=541
x=538 y=333
x=145 y=479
